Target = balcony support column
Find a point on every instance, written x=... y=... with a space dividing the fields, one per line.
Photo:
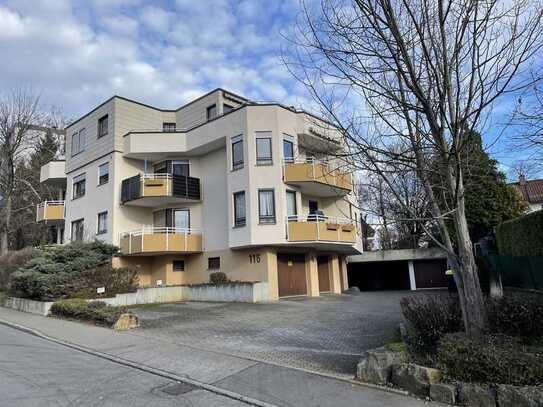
x=312 y=275
x=335 y=277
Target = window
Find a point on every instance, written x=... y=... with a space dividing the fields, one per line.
x=103 y=126
x=103 y=174
x=78 y=186
x=181 y=167
x=79 y=141
x=239 y=209
x=77 y=230
x=226 y=108
x=168 y=127
x=211 y=112
x=291 y=204
x=264 y=151
x=266 y=206
x=237 y=153
x=213 y=263
x=161 y=168
x=288 y=151
x=102 y=223
x=178 y=265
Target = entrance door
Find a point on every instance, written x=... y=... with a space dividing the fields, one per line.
x=291 y=274
x=313 y=209
x=324 y=274
x=181 y=218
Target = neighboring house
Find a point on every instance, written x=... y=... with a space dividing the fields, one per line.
x=531 y=192
x=220 y=184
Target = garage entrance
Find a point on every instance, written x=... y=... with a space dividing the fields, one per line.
x=390 y=275
x=291 y=274
x=430 y=273
x=324 y=274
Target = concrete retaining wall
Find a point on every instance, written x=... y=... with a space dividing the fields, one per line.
x=232 y=292
x=31 y=306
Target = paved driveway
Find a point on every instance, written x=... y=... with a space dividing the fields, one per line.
x=325 y=334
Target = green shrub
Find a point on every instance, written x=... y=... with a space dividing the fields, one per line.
x=97 y=312
x=490 y=359
x=218 y=277
x=516 y=314
x=12 y=261
x=521 y=236
x=73 y=270
x=429 y=317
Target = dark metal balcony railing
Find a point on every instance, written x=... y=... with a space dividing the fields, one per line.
x=179 y=186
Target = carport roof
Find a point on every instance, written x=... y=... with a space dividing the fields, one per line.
x=399 y=255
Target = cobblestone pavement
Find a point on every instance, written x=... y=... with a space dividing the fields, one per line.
x=325 y=334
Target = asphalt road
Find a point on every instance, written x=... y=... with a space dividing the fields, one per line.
x=35 y=372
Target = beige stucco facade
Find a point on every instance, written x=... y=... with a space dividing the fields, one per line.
x=158 y=228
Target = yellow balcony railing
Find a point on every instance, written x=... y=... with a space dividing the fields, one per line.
x=158 y=240
x=320 y=228
x=50 y=211
x=318 y=172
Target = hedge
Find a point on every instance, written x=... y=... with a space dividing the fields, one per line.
x=490 y=359
x=521 y=236
x=97 y=312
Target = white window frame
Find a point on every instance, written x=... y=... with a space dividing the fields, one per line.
x=106 y=164
x=244 y=223
x=235 y=140
x=98 y=230
x=76 y=180
x=79 y=141
x=264 y=135
x=267 y=219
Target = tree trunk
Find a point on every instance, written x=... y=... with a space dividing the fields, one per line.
x=4 y=234
x=469 y=288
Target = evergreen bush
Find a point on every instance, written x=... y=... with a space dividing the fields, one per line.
x=521 y=236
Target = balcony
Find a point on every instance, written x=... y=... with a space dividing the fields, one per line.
x=50 y=211
x=159 y=189
x=317 y=228
x=317 y=178
x=161 y=240
x=54 y=173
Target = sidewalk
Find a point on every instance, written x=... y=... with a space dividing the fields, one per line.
x=272 y=384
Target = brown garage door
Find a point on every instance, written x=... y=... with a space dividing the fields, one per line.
x=430 y=273
x=324 y=274
x=291 y=274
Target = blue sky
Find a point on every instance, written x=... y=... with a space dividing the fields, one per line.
x=78 y=53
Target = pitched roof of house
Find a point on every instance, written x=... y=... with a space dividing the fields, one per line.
x=531 y=190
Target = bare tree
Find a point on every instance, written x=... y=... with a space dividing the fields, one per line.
x=397 y=227
x=420 y=75
x=528 y=119
x=18 y=112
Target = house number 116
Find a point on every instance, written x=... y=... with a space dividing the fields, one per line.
x=254 y=258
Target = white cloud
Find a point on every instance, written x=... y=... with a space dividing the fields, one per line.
x=156 y=18
x=79 y=53
x=120 y=24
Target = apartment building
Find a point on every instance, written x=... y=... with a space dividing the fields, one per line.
x=220 y=184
